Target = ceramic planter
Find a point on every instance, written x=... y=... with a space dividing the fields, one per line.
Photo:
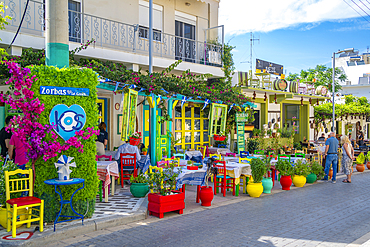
x=267 y=185
x=299 y=181
x=330 y=173
x=206 y=195
x=360 y=167
x=311 y=178
x=158 y=204
x=368 y=165
x=254 y=189
x=135 y=141
x=219 y=138
x=3 y=221
x=139 y=189
x=285 y=182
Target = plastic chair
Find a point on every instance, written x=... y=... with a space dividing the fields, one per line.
x=127 y=162
x=244 y=160
x=305 y=150
x=17 y=185
x=301 y=155
x=226 y=182
x=153 y=169
x=244 y=179
x=221 y=146
x=180 y=155
x=259 y=152
x=284 y=157
x=217 y=156
x=172 y=160
x=230 y=154
x=244 y=154
x=101 y=191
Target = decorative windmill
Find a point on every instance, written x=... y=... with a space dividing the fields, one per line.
x=63 y=164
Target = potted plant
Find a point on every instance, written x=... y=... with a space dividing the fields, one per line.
x=8 y=166
x=259 y=169
x=252 y=145
x=360 y=167
x=286 y=170
x=164 y=197
x=368 y=160
x=145 y=151
x=164 y=154
x=317 y=172
x=191 y=165
x=300 y=171
x=266 y=181
x=139 y=185
x=256 y=133
x=135 y=138
x=206 y=192
x=219 y=137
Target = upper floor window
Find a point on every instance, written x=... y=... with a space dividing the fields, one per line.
x=74 y=21
x=144 y=20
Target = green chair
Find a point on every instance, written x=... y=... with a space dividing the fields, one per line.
x=300 y=155
x=284 y=157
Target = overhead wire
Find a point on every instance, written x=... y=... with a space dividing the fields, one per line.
x=356 y=11
x=20 y=24
x=364 y=4
x=360 y=8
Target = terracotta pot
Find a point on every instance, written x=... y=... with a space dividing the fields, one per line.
x=360 y=167
x=206 y=195
x=368 y=165
x=286 y=182
x=145 y=153
x=330 y=173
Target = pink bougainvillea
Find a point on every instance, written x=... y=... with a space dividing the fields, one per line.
x=32 y=133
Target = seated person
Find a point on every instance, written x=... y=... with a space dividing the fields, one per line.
x=127 y=148
x=322 y=137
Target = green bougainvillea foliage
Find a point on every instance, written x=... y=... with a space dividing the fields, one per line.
x=84 y=200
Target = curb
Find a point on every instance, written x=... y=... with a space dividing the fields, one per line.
x=43 y=239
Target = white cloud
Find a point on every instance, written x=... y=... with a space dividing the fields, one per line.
x=241 y=16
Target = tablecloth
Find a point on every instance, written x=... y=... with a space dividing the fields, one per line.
x=195 y=153
x=127 y=148
x=107 y=169
x=214 y=150
x=191 y=177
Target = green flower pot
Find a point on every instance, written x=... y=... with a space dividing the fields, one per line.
x=311 y=178
x=267 y=185
x=139 y=189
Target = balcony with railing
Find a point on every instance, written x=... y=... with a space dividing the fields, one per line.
x=115 y=35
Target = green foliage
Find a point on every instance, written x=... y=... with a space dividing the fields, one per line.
x=316 y=168
x=353 y=106
x=140 y=179
x=301 y=168
x=173 y=142
x=189 y=162
x=3 y=19
x=297 y=146
x=360 y=158
x=285 y=132
x=284 y=168
x=292 y=77
x=228 y=63
x=164 y=153
x=252 y=145
x=86 y=164
x=145 y=150
x=256 y=132
x=323 y=76
x=368 y=156
x=164 y=182
x=9 y=166
x=258 y=170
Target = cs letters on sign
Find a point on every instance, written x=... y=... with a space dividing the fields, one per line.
x=68 y=121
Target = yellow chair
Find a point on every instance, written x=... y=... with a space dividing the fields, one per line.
x=305 y=150
x=217 y=156
x=244 y=179
x=153 y=169
x=173 y=161
x=244 y=160
x=18 y=185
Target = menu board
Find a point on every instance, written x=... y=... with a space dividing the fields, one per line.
x=240 y=136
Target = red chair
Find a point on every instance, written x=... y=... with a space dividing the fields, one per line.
x=230 y=154
x=127 y=160
x=162 y=163
x=226 y=182
x=101 y=185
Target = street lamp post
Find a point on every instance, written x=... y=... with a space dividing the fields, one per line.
x=333 y=85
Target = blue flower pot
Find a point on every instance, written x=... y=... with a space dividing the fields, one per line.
x=267 y=185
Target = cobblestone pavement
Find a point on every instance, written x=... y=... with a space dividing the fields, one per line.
x=324 y=214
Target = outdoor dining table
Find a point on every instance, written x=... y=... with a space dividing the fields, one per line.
x=106 y=169
x=214 y=150
x=143 y=163
x=191 y=177
x=195 y=155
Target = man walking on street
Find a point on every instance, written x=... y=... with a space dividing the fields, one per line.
x=331 y=154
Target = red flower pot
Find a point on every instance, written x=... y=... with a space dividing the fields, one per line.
x=286 y=182
x=219 y=138
x=192 y=167
x=135 y=141
x=158 y=204
x=206 y=195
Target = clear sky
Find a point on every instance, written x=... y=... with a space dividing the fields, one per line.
x=298 y=34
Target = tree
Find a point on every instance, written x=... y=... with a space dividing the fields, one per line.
x=323 y=76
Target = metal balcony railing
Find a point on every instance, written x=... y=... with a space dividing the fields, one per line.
x=115 y=35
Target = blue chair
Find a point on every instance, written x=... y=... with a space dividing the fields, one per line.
x=181 y=156
x=244 y=154
x=221 y=145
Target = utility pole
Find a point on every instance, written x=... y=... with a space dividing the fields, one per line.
x=252 y=42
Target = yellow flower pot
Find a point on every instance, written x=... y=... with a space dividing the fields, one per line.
x=299 y=181
x=254 y=189
x=3 y=221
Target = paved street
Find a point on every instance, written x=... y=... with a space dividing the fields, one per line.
x=323 y=214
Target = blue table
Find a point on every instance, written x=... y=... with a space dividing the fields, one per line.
x=57 y=183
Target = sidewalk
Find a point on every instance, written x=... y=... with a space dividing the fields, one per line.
x=121 y=210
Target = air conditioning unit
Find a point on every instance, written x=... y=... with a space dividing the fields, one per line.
x=214 y=57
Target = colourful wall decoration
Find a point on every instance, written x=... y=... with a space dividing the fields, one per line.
x=217 y=119
x=129 y=114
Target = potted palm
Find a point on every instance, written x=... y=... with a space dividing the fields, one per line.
x=266 y=181
x=286 y=170
x=300 y=171
x=139 y=185
x=360 y=167
x=259 y=169
x=164 y=197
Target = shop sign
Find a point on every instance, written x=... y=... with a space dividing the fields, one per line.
x=241 y=117
x=67 y=120
x=267 y=67
x=64 y=91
